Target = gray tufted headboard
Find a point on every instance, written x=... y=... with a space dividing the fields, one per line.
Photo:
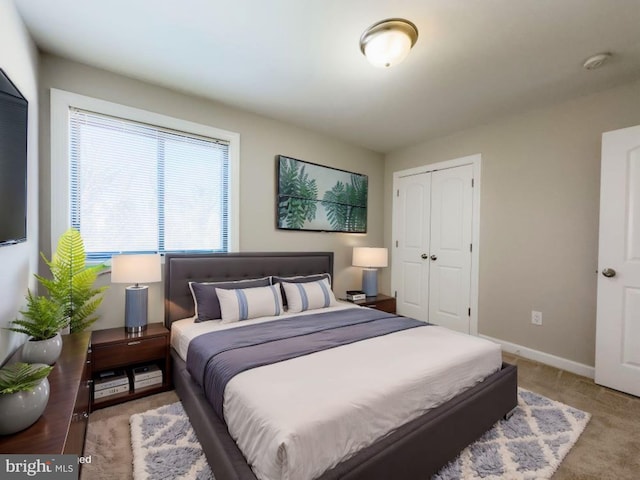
x=180 y=269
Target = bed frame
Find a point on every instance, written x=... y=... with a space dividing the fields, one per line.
x=418 y=449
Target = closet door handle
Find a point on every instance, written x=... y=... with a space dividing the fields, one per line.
x=434 y=257
x=424 y=256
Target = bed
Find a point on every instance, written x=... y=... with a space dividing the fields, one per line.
x=416 y=449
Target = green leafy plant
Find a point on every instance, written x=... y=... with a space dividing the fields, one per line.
x=71 y=285
x=42 y=319
x=22 y=377
x=298 y=195
x=346 y=205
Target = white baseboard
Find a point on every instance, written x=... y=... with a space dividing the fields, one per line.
x=546 y=358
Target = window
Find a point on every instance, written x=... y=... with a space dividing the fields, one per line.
x=142 y=182
x=140 y=188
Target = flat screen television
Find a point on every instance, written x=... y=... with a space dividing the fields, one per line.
x=13 y=163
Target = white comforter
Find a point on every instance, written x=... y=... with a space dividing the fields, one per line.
x=295 y=419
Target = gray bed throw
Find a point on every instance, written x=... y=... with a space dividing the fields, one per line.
x=215 y=358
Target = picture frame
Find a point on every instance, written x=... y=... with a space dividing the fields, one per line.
x=313 y=197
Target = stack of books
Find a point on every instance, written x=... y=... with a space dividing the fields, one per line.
x=356 y=295
x=146 y=376
x=110 y=383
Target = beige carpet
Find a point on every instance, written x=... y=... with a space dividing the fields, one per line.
x=607 y=450
x=109 y=439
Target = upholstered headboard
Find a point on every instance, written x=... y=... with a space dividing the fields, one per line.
x=180 y=269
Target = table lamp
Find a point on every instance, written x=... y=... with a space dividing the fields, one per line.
x=371 y=259
x=136 y=269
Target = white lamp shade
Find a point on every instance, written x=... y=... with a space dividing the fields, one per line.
x=387 y=48
x=135 y=268
x=370 y=257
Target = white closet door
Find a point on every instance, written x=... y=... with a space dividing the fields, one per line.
x=410 y=267
x=433 y=219
x=618 y=313
x=450 y=253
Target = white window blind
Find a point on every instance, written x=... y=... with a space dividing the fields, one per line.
x=135 y=187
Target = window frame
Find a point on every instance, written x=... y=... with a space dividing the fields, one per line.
x=62 y=101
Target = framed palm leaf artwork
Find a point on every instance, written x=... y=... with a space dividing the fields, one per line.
x=318 y=198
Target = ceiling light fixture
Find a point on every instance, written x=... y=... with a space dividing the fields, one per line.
x=596 y=61
x=388 y=42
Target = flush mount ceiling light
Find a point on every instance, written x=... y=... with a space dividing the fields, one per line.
x=596 y=61
x=388 y=42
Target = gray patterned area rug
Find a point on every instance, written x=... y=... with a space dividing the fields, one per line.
x=530 y=445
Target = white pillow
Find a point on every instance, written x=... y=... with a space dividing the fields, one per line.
x=205 y=300
x=308 y=296
x=245 y=303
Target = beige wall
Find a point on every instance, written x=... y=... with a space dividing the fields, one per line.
x=539 y=216
x=539 y=205
x=19 y=60
x=261 y=139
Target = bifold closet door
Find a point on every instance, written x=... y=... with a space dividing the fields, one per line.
x=450 y=252
x=432 y=256
x=410 y=267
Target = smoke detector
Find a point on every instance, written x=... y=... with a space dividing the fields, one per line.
x=596 y=61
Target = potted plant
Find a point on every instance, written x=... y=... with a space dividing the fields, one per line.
x=42 y=321
x=71 y=282
x=24 y=393
x=72 y=301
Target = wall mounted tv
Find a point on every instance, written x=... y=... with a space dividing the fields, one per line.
x=13 y=163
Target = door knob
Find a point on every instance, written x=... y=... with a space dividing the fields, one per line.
x=434 y=257
x=609 y=272
x=424 y=256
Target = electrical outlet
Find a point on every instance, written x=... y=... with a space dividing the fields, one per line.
x=536 y=317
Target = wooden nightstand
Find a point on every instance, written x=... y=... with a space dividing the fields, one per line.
x=114 y=348
x=381 y=302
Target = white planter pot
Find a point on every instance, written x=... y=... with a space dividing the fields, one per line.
x=22 y=409
x=42 y=351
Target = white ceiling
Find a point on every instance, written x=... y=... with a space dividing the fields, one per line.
x=299 y=60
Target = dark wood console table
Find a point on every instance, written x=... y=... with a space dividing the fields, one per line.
x=62 y=426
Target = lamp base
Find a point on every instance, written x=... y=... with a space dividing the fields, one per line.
x=370 y=282
x=138 y=329
x=135 y=309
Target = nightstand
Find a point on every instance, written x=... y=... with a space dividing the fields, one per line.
x=381 y=302
x=114 y=348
